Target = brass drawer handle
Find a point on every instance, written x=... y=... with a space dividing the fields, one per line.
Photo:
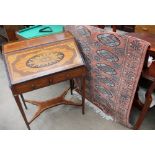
x=33 y=86
x=145 y=29
x=50 y=81
x=67 y=75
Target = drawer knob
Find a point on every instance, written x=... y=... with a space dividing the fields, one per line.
x=33 y=86
x=145 y=29
x=50 y=81
x=67 y=75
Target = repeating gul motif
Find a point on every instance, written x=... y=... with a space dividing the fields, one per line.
x=105 y=80
x=135 y=45
x=104 y=101
x=109 y=39
x=107 y=55
x=106 y=105
x=114 y=65
x=104 y=91
x=106 y=68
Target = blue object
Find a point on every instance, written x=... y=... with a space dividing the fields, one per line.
x=40 y=30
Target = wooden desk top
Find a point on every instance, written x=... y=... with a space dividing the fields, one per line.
x=146 y=36
x=33 y=58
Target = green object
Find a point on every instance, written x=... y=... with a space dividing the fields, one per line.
x=40 y=30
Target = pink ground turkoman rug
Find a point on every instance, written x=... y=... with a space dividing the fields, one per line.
x=114 y=64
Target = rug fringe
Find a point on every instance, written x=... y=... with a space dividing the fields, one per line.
x=95 y=108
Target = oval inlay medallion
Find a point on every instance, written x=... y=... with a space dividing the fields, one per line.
x=45 y=59
x=106 y=68
x=107 y=55
x=103 y=90
x=108 y=39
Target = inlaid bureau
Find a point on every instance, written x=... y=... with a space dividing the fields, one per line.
x=36 y=63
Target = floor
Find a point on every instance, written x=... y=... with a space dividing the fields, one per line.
x=61 y=117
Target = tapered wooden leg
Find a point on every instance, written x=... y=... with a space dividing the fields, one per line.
x=83 y=94
x=21 y=110
x=146 y=106
x=22 y=97
x=143 y=114
x=114 y=28
x=71 y=86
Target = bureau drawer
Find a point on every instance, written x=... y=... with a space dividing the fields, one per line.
x=68 y=75
x=46 y=81
x=31 y=85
